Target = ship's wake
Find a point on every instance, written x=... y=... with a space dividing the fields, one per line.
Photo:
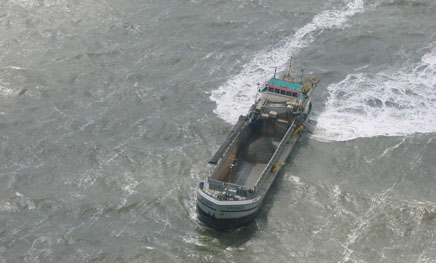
x=394 y=102
x=238 y=93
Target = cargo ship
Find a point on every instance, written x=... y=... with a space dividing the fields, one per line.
x=255 y=150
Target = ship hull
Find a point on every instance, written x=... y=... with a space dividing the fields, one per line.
x=222 y=215
x=252 y=155
x=225 y=223
x=226 y=214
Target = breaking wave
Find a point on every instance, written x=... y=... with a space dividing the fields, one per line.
x=394 y=102
x=4 y=91
x=238 y=93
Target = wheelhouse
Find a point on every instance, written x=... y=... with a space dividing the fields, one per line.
x=283 y=87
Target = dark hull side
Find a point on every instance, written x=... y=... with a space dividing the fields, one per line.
x=222 y=224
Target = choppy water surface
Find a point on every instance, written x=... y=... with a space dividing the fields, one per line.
x=109 y=111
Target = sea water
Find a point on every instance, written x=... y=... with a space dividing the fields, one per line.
x=110 y=111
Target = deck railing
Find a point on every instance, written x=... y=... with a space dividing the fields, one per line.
x=268 y=169
x=246 y=191
x=223 y=186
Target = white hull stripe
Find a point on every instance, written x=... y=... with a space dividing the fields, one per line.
x=231 y=211
x=206 y=205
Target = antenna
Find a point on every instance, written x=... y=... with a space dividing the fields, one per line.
x=275 y=70
x=290 y=66
x=302 y=74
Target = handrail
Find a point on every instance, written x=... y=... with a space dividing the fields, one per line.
x=228 y=142
x=279 y=148
x=224 y=185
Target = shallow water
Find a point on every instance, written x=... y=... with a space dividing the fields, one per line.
x=109 y=112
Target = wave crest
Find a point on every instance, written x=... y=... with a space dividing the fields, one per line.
x=394 y=102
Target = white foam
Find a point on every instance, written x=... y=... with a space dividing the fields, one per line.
x=4 y=91
x=390 y=149
x=7 y=206
x=25 y=3
x=238 y=93
x=394 y=102
x=130 y=184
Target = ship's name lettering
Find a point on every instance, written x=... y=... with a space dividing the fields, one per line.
x=235 y=207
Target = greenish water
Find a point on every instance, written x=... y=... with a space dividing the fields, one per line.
x=109 y=112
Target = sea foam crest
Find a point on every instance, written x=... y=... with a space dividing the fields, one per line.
x=238 y=93
x=393 y=102
x=4 y=91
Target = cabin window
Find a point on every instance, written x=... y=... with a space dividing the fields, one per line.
x=277 y=91
x=283 y=92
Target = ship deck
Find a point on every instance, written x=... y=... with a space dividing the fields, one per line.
x=247 y=174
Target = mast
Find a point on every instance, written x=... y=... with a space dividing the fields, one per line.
x=290 y=67
x=302 y=74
